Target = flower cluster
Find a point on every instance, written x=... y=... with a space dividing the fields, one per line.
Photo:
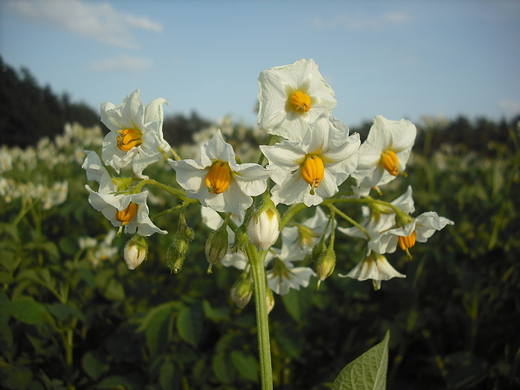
x=308 y=156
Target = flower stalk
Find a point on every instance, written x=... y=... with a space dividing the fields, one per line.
x=256 y=259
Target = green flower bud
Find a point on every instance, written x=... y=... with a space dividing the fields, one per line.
x=318 y=249
x=325 y=264
x=135 y=251
x=242 y=290
x=269 y=299
x=217 y=246
x=177 y=251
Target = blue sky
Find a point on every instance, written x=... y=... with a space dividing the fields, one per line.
x=395 y=58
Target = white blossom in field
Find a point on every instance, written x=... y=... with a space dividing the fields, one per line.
x=310 y=170
x=291 y=97
x=218 y=181
x=128 y=211
x=6 y=160
x=375 y=267
x=299 y=240
x=135 y=138
x=378 y=220
x=418 y=230
x=384 y=154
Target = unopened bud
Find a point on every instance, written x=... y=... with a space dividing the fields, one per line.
x=217 y=246
x=135 y=251
x=242 y=291
x=269 y=299
x=264 y=226
x=177 y=251
x=325 y=265
x=317 y=251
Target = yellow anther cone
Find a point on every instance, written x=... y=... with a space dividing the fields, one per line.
x=301 y=102
x=127 y=214
x=128 y=138
x=218 y=177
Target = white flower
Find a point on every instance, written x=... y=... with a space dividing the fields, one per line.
x=420 y=229
x=284 y=276
x=292 y=96
x=298 y=241
x=311 y=170
x=375 y=267
x=379 y=220
x=135 y=136
x=122 y=210
x=217 y=181
x=385 y=152
x=128 y=211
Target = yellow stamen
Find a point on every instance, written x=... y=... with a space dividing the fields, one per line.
x=218 y=177
x=407 y=242
x=390 y=162
x=313 y=172
x=127 y=214
x=300 y=101
x=128 y=138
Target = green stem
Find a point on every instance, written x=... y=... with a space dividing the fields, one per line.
x=173 y=191
x=262 y=320
x=290 y=213
x=350 y=220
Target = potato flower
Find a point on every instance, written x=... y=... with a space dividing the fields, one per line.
x=378 y=220
x=384 y=154
x=311 y=170
x=291 y=97
x=375 y=267
x=124 y=211
x=418 y=230
x=135 y=137
x=299 y=240
x=218 y=181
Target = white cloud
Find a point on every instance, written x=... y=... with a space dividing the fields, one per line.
x=510 y=108
x=98 y=21
x=122 y=62
x=361 y=23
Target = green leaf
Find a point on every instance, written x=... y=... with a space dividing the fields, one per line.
x=246 y=364
x=223 y=368
x=155 y=326
x=189 y=324
x=93 y=363
x=110 y=287
x=27 y=310
x=63 y=311
x=297 y=303
x=215 y=313
x=169 y=376
x=367 y=372
x=15 y=377
x=6 y=335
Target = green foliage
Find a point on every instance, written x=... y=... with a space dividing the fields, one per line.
x=72 y=316
x=367 y=372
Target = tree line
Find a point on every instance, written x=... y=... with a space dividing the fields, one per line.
x=29 y=112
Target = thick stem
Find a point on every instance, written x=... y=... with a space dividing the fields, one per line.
x=262 y=320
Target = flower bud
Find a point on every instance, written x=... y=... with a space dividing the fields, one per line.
x=217 y=246
x=264 y=226
x=242 y=291
x=269 y=299
x=317 y=250
x=177 y=250
x=325 y=265
x=135 y=251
